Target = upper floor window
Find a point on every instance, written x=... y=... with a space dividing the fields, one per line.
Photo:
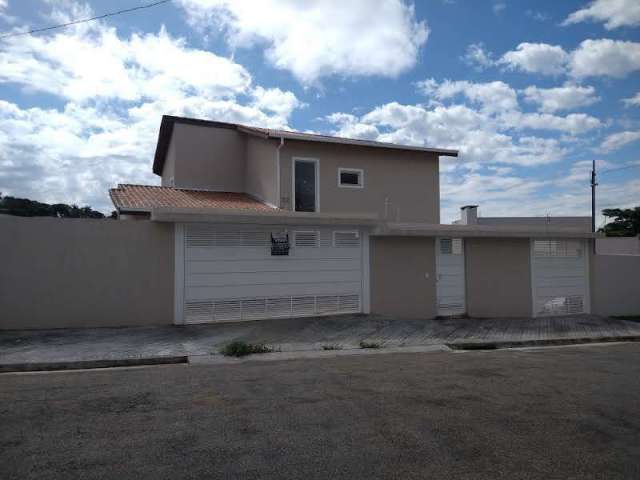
x=350 y=178
x=305 y=185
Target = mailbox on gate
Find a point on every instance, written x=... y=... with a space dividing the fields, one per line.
x=280 y=243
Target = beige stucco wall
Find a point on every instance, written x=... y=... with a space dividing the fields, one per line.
x=498 y=277
x=261 y=180
x=398 y=276
x=209 y=158
x=615 y=284
x=169 y=167
x=409 y=179
x=85 y=273
x=618 y=246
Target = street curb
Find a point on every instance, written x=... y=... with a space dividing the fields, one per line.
x=540 y=343
x=88 y=364
x=312 y=354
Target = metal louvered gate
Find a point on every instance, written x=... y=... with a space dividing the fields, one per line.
x=560 y=277
x=228 y=272
x=450 y=282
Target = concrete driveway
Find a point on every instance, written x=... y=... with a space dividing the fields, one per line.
x=301 y=334
x=561 y=413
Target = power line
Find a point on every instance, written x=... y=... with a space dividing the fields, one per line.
x=84 y=20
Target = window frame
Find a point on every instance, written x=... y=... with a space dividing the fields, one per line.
x=358 y=171
x=316 y=162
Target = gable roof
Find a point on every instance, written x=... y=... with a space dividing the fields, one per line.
x=168 y=121
x=143 y=198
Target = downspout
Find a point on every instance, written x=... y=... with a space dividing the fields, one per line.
x=279 y=200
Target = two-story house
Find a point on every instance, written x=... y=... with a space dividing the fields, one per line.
x=272 y=223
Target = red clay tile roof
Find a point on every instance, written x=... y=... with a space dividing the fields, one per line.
x=145 y=197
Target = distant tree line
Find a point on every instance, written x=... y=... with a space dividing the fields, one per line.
x=626 y=222
x=23 y=207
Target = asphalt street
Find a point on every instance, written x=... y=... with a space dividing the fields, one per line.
x=553 y=413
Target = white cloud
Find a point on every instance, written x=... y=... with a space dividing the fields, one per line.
x=536 y=58
x=614 y=13
x=476 y=56
x=492 y=96
x=600 y=57
x=276 y=101
x=567 y=97
x=619 y=140
x=483 y=120
x=498 y=7
x=319 y=39
x=479 y=136
x=632 y=101
x=113 y=92
x=499 y=102
x=537 y=15
x=613 y=58
x=574 y=123
x=92 y=62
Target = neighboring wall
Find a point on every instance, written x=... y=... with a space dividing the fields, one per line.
x=498 y=277
x=261 y=180
x=208 y=158
x=408 y=179
x=581 y=223
x=403 y=276
x=85 y=273
x=615 y=285
x=618 y=246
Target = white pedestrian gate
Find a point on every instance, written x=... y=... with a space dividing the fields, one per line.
x=560 y=277
x=230 y=272
x=450 y=281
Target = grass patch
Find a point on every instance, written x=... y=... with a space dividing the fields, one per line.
x=241 y=349
x=364 y=344
x=332 y=347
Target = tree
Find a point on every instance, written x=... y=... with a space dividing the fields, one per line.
x=626 y=222
x=24 y=207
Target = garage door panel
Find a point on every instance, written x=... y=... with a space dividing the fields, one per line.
x=560 y=277
x=280 y=290
x=268 y=278
x=230 y=274
x=246 y=253
x=271 y=265
x=560 y=291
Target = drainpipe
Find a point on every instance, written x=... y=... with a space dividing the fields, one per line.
x=278 y=204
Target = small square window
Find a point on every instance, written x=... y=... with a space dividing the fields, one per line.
x=350 y=177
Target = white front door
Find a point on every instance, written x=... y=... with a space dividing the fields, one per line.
x=560 y=277
x=450 y=277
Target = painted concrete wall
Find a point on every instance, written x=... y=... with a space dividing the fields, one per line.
x=410 y=180
x=618 y=246
x=580 y=223
x=498 y=277
x=615 y=284
x=399 y=285
x=85 y=273
x=209 y=158
x=169 y=168
x=261 y=180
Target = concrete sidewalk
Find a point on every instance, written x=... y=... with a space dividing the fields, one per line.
x=301 y=334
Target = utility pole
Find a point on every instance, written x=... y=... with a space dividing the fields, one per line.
x=593 y=197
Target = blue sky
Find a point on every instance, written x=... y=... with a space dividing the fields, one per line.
x=530 y=92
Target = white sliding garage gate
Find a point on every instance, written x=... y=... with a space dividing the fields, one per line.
x=228 y=272
x=560 y=277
